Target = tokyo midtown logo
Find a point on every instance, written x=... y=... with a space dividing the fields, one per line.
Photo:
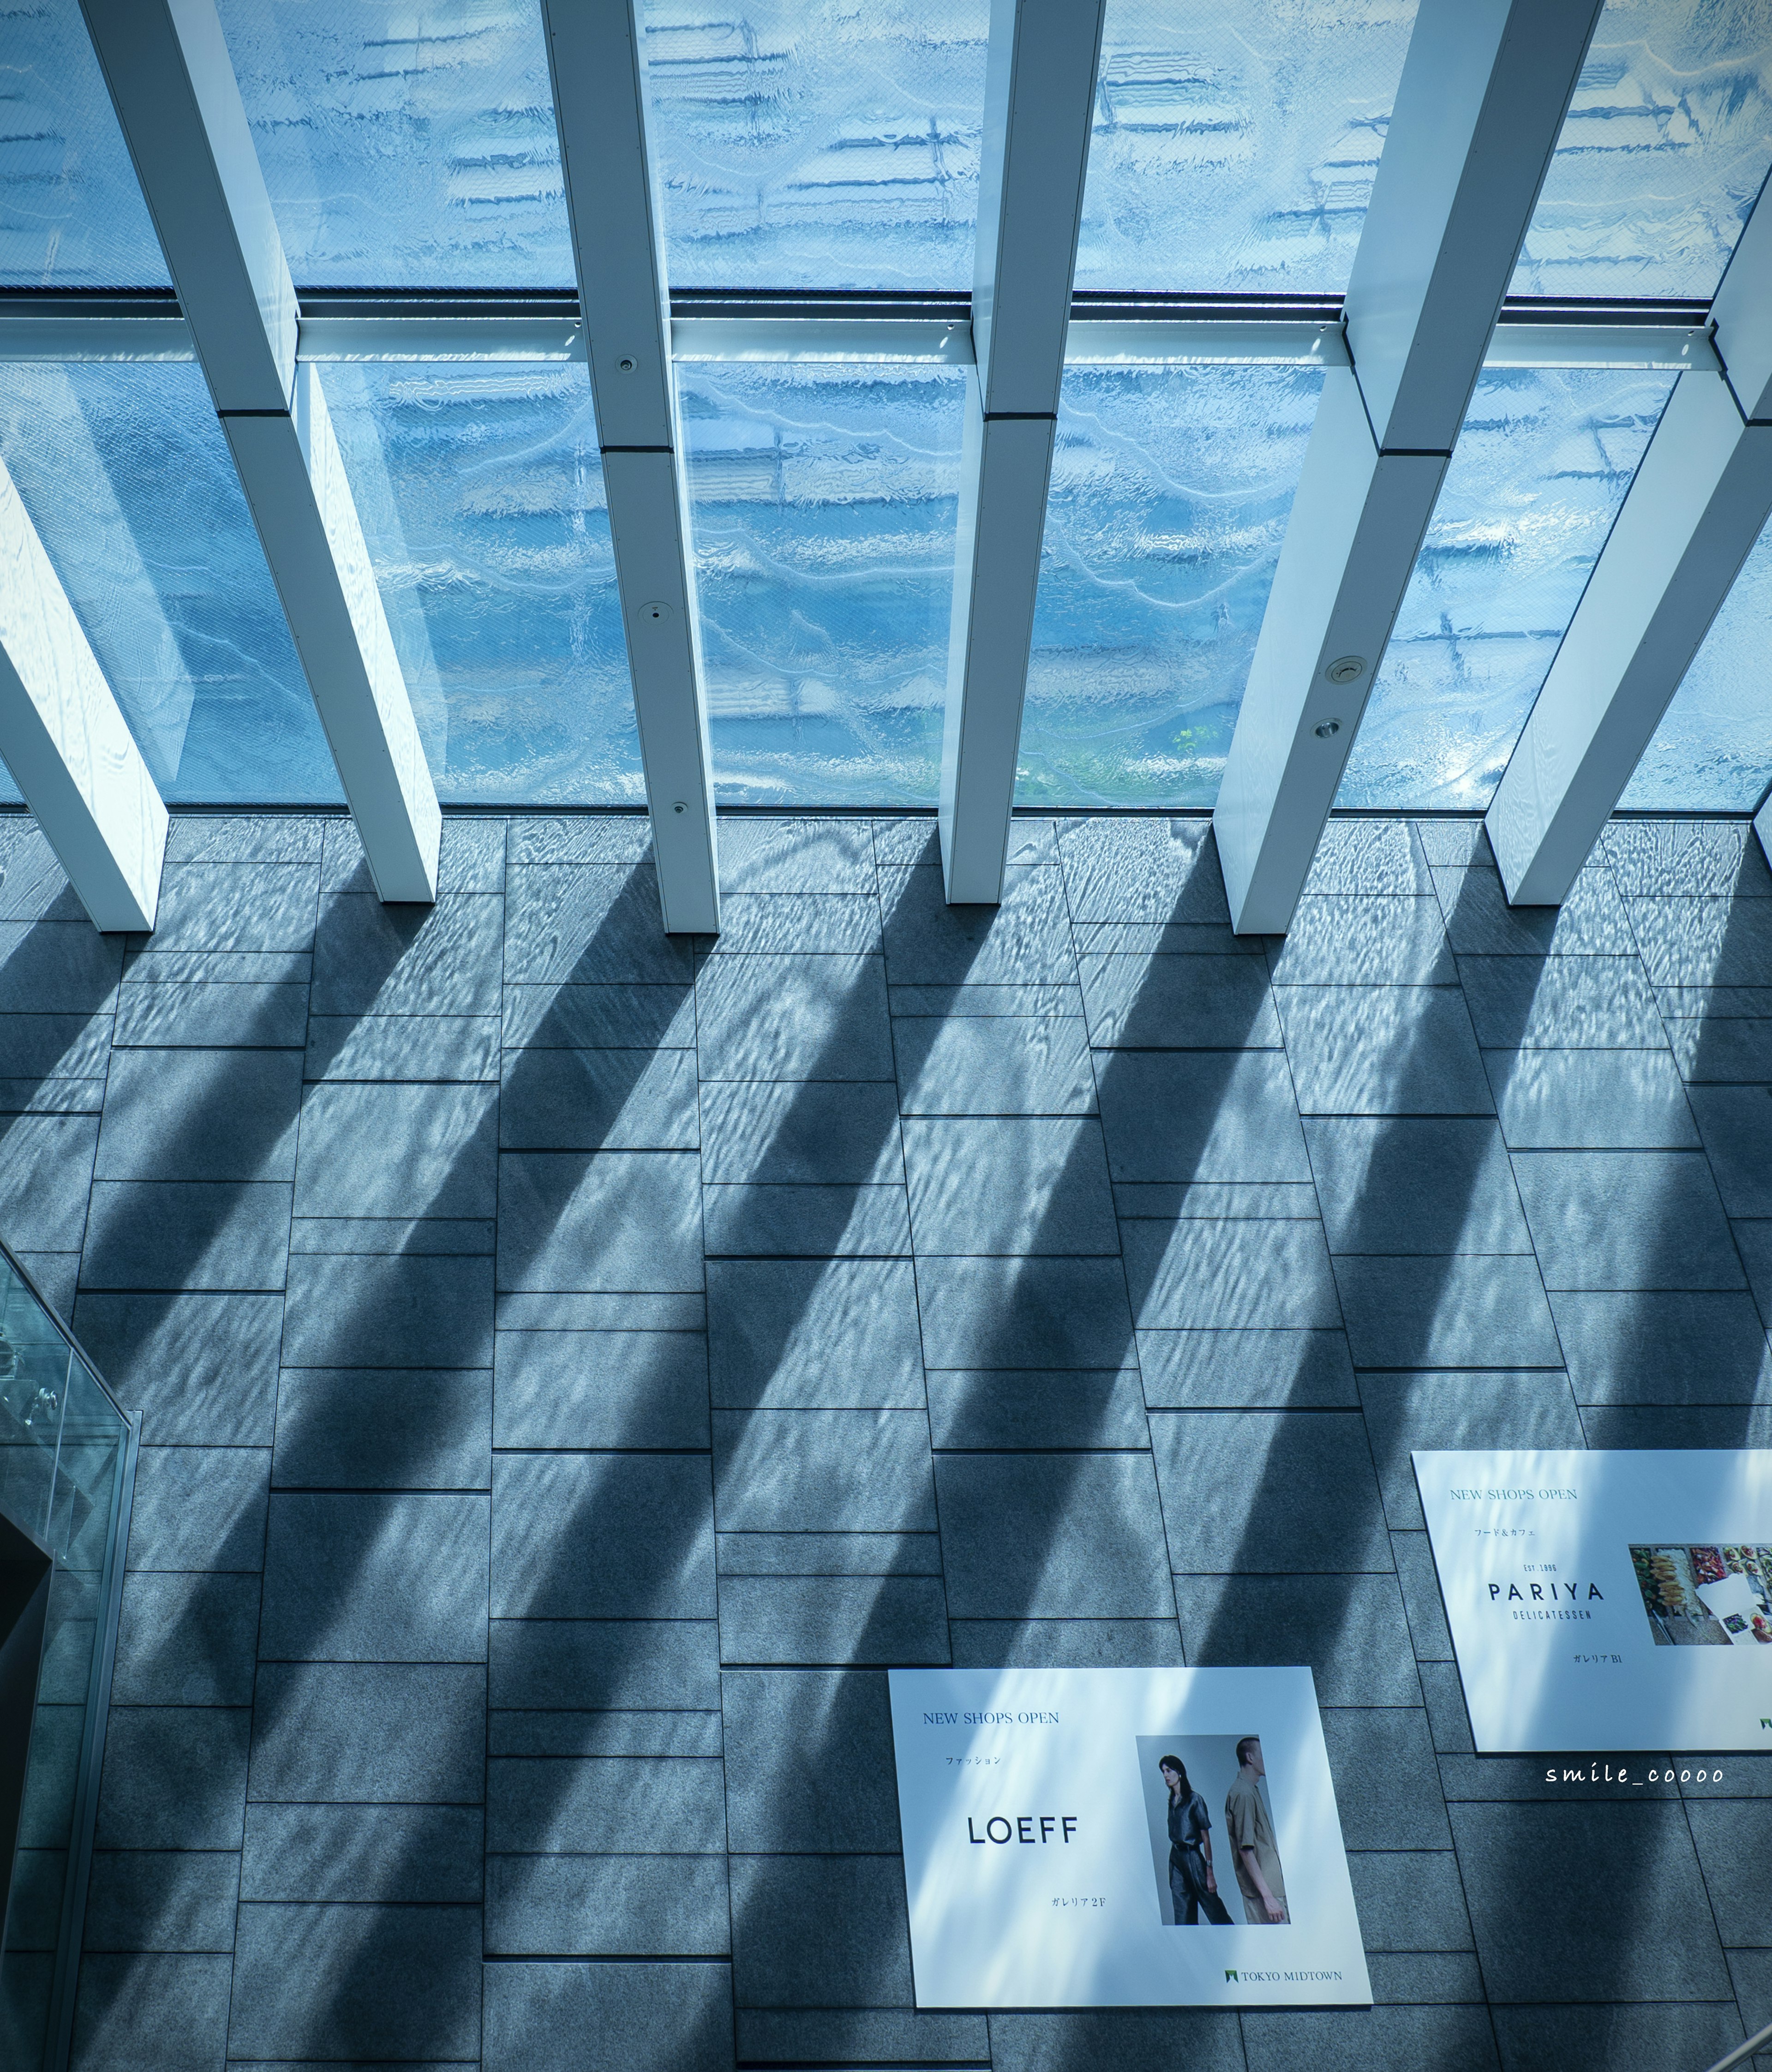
x=1231 y=1976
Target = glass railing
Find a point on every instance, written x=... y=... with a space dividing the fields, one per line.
x=66 y=1470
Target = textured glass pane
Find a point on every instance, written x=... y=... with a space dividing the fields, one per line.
x=128 y=481
x=1667 y=140
x=481 y=493
x=1712 y=751
x=406 y=143
x=1171 y=490
x=71 y=213
x=818 y=143
x=1542 y=465
x=1235 y=141
x=824 y=506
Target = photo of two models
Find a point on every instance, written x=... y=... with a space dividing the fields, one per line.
x=1211 y=1831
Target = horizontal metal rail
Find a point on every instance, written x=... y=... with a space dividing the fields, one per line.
x=1759 y=2041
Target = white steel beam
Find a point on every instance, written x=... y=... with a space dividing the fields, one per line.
x=596 y=57
x=1696 y=507
x=65 y=742
x=1039 y=96
x=1484 y=90
x=173 y=85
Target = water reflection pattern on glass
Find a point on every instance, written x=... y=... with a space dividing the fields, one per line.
x=1541 y=467
x=823 y=506
x=480 y=489
x=1667 y=141
x=1712 y=751
x=1170 y=491
x=1236 y=142
x=127 y=477
x=818 y=143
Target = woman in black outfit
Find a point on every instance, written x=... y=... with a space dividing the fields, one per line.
x=1192 y=1885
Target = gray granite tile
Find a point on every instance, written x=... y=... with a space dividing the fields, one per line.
x=236 y=906
x=46 y=1169
x=819 y=1931
x=1348 y=1630
x=1036 y=1002
x=610 y=837
x=1461 y=1311
x=588 y=924
x=809 y=1762
x=1451 y=2039
x=247 y=838
x=1049 y=1313
x=428 y=1854
x=1178 y=1003
x=1751 y=1972
x=1164 y=1201
x=868 y=2036
x=1736 y=1123
x=803 y=1221
x=1142 y=870
x=603 y=1805
x=1560 y=1004
x=813 y=923
x=58 y=967
x=1664 y=1348
x=1724 y=1426
x=51 y=1096
x=1008 y=1411
x=820 y=1619
x=822 y=1471
x=992 y=1065
x=1753 y=1242
x=162 y=1900
x=1616 y=2038
x=610 y=2018
x=199 y=1370
x=175 y=1234
x=1718 y=1050
x=1704 y=942
x=396 y=1151
x=601 y=1536
x=370 y=1429
x=624 y=1663
x=381 y=1732
x=799 y=1553
x=621 y=1221
x=186 y=1639
x=434 y=1048
x=399 y=1981
x=470 y=856
x=1454 y=1412
x=1246 y=1370
x=1409 y=1900
x=1365 y=939
x=1267 y=1493
x=798 y=1016
x=1052 y=1536
x=603 y=1733
x=422 y=1312
x=1025 y=940
x=167 y=2012
x=593 y=1100
x=369 y=958
x=33 y=885
x=1734 y=1838
x=1706 y=859
x=193 y=1015
x=56 y=1275
x=1129 y=2039
x=797 y=853
x=1358 y=855
x=384 y=1237
x=601 y=1389
x=146 y=964
x=1020 y=1185
x=570 y=1312
x=375 y=1577
x=1421 y=1601
x=173 y=1777
x=1415 y=1184
x=1623 y=1219
x=783 y=1134
x=800 y=1334
x=1383 y=1050
x=1210 y=1114
x=1201 y=1275
x=1387 y=1783
x=200 y=1507
x=40 y=1046
x=599 y=1018
x=1479 y=922
x=613 y=1906
x=1596 y=1100
x=1066 y=1643
x=1654 y=1939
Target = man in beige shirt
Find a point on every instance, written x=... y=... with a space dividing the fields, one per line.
x=1246 y=1821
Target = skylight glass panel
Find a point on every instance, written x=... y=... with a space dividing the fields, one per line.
x=1235 y=141
x=1170 y=491
x=818 y=143
x=1712 y=751
x=71 y=213
x=127 y=477
x=1666 y=144
x=824 y=501
x=480 y=490
x=1542 y=465
x=405 y=143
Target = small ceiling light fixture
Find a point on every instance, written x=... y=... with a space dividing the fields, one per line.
x=1329 y=729
x=1348 y=670
x=626 y=366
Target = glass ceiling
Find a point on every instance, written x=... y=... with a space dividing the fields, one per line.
x=826 y=145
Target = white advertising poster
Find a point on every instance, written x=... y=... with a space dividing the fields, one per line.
x=1607 y=1601
x=1078 y=1838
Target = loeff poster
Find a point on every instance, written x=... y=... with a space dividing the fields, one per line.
x=1617 y=1599
x=1078 y=1838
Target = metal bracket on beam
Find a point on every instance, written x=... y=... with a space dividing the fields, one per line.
x=1484 y=90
